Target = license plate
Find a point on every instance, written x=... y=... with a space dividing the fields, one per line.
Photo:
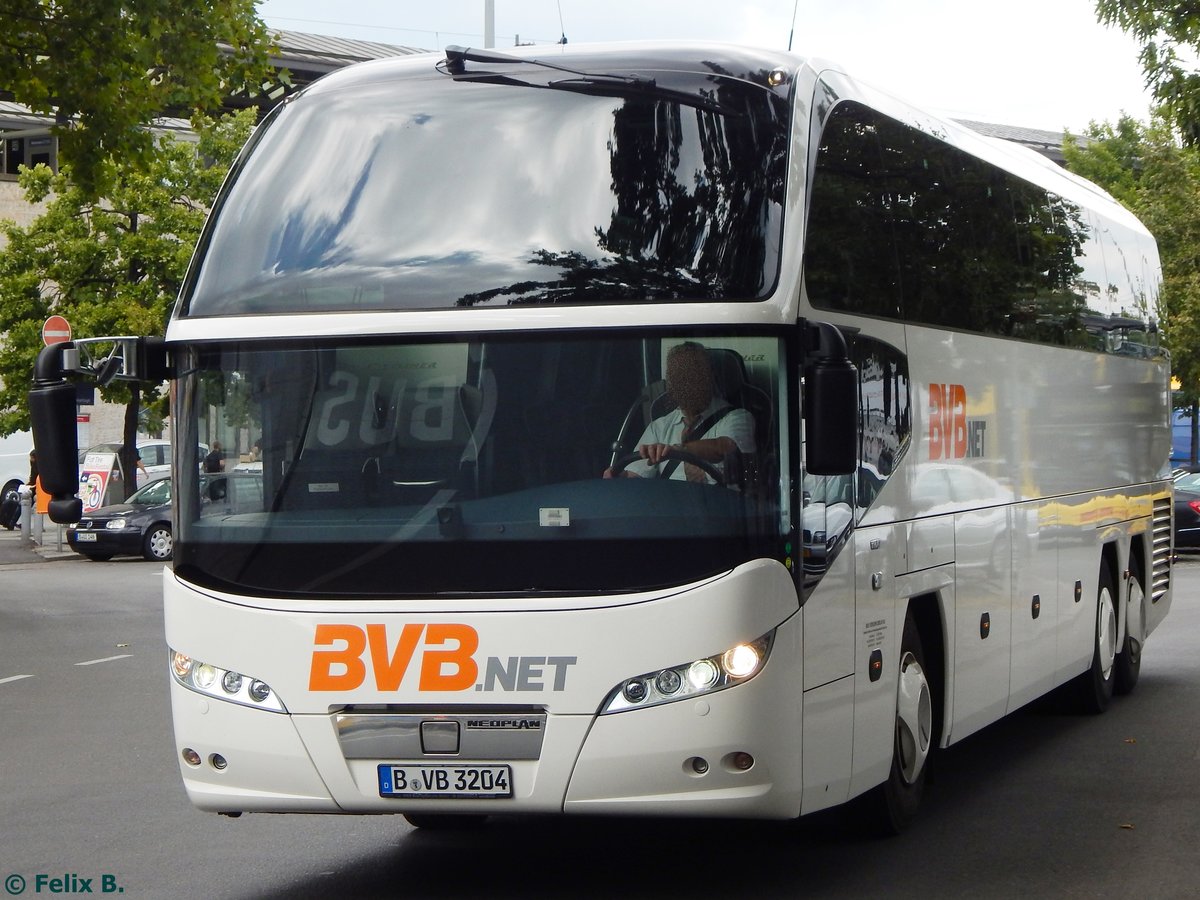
x=84 y=537
x=434 y=781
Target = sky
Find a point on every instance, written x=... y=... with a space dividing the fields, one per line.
x=1031 y=63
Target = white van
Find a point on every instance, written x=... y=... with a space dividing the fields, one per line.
x=14 y=460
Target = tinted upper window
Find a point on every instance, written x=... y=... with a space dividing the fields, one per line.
x=903 y=225
x=436 y=192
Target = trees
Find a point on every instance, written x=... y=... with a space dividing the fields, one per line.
x=1161 y=168
x=112 y=266
x=1166 y=29
x=106 y=69
x=1149 y=170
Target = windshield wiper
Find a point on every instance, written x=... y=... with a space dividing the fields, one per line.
x=597 y=84
x=458 y=57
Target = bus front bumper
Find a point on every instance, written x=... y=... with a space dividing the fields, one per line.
x=732 y=753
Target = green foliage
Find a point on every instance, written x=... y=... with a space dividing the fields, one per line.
x=112 y=266
x=107 y=68
x=1169 y=32
x=1158 y=179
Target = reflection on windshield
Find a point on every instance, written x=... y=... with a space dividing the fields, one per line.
x=421 y=195
x=479 y=466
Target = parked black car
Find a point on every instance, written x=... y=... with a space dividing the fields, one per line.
x=141 y=526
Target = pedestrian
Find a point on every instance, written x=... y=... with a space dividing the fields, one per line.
x=215 y=461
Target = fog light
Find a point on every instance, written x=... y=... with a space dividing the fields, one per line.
x=635 y=690
x=191 y=757
x=218 y=761
x=742 y=761
x=232 y=682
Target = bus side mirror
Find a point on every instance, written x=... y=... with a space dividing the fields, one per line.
x=830 y=406
x=52 y=416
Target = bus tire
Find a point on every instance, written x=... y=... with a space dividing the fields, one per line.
x=893 y=804
x=1128 y=663
x=1095 y=686
x=444 y=821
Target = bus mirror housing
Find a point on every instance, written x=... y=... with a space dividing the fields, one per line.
x=52 y=418
x=120 y=358
x=830 y=403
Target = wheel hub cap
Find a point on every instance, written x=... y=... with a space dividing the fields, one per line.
x=914 y=718
x=1106 y=633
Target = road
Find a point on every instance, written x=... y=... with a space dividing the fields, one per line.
x=1044 y=804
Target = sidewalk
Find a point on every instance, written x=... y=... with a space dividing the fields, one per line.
x=15 y=549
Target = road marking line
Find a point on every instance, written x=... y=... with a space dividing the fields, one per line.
x=13 y=678
x=92 y=662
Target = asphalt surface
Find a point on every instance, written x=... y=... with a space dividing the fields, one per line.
x=1046 y=803
x=16 y=549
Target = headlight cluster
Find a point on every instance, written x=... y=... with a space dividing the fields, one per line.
x=703 y=676
x=223 y=684
x=115 y=524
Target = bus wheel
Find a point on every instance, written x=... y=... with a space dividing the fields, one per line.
x=1129 y=661
x=892 y=805
x=1095 y=686
x=444 y=821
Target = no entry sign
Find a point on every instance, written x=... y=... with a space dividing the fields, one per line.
x=56 y=330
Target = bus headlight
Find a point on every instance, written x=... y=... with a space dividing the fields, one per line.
x=691 y=679
x=223 y=684
x=742 y=661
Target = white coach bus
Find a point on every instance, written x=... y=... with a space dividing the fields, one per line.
x=924 y=481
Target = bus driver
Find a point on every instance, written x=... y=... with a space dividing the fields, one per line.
x=703 y=423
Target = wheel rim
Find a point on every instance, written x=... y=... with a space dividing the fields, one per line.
x=160 y=543
x=914 y=719
x=1135 y=619
x=1106 y=633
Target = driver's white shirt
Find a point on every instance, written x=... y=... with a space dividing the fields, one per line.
x=737 y=424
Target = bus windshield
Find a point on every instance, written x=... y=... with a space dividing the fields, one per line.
x=505 y=465
x=444 y=193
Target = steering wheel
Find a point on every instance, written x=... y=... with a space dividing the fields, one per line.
x=682 y=455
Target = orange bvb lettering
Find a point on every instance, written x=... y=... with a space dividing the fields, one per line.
x=958 y=412
x=464 y=671
x=321 y=676
x=447 y=663
x=947 y=421
x=390 y=672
